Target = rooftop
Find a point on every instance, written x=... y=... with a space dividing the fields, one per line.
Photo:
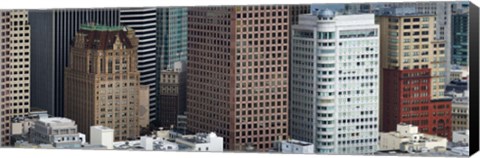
x=98 y=27
x=56 y=120
x=400 y=11
x=429 y=154
x=159 y=144
x=100 y=37
x=199 y=138
x=103 y=128
x=297 y=142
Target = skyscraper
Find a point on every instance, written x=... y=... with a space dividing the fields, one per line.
x=15 y=69
x=144 y=22
x=102 y=83
x=335 y=82
x=413 y=73
x=172 y=36
x=460 y=22
x=52 y=33
x=238 y=73
x=443 y=17
x=358 y=8
x=171 y=49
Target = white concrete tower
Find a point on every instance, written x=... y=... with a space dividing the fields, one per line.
x=335 y=82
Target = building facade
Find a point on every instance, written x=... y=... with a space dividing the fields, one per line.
x=52 y=33
x=460 y=114
x=459 y=38
x=171 y=36
x=296 y=147
x=238 y=73
x=407 y=138
x=101 y=135
x=335 y=80
x=201 y=142
x=443 y=20
x=358 y=8
x=60 y=132
x=172 y=95
x=144 y=22
x=413 y=73
x=144 y=107
x=102 y=82
x=15 y=69
x=171 y=49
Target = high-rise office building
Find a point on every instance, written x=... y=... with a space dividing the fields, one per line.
x=144 y=22
x=52 y=33
x=459 y=38
x=335 y=82
x=413 y=73
x=443 y=17
x=358 y=8
x=172 y=95
x=238 y=73
x=15 y=69
x=102 y=83
x=172 y=36
x=171 y=49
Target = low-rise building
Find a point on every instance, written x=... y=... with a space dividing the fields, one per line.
x=147 y=143
x=101 y=135
x=461 y=137
x=459 y=73
x=407 y=139
x=460 y=114
x=20 y=126
x=60 y=132
x=462 y=151
x=200 y=142
x=457 y=86
x=294 y=147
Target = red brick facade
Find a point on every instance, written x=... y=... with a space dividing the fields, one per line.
x=408 y=100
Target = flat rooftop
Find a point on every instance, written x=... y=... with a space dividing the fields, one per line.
x=103 y=128
x=52 y=120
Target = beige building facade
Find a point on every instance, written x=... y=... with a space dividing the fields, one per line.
x=15 y=69
x=102 y=81
x=144 y=106
x=460 y=114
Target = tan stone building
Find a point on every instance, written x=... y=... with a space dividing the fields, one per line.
x=144 y=106
x=102 y=81
x=413 y=73
x=15 y=69
x=460 y=114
